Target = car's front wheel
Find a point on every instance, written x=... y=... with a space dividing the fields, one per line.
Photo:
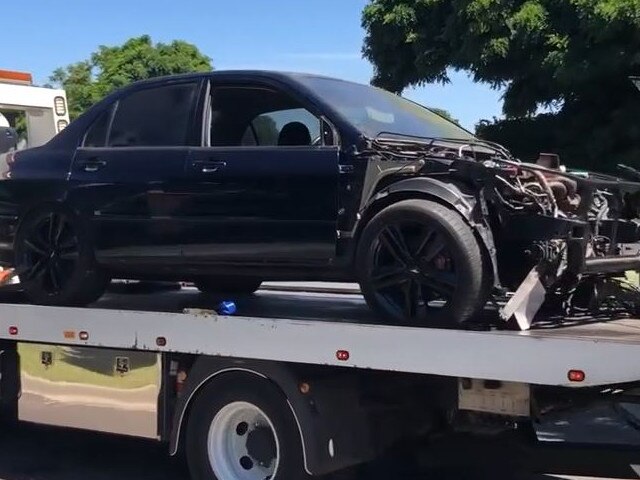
x=235 y=285
x=419 y=262
x=55 y=260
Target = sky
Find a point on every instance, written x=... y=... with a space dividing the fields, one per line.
x=315 y=36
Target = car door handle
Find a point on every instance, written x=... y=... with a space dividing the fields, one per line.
x=93 y=165
x=210 y=167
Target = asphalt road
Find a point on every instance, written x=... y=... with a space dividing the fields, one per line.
x=30 y=452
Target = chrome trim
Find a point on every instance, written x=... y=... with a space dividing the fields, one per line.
x=114 y=391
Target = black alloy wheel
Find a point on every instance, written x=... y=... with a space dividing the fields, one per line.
x=419 y=262
x=50 y=253
x=55 y=262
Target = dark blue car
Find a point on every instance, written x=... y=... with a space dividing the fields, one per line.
x=228 y=179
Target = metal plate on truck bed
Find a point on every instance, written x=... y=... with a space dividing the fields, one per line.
x=333 y=329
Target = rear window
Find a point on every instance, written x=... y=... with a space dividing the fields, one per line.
x=96 y=136
x=154 y=117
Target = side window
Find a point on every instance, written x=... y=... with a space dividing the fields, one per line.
x=269 y=126
x=253 y=116
x=96 y=135
x=154 y=117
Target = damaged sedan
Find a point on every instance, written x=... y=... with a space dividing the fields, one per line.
x=229 y=179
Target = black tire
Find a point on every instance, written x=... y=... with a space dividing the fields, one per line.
x=237 y=285
x=398 y=245
x=55 y=260
x=258 y=393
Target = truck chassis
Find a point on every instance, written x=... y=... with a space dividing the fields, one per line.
x=303 y=383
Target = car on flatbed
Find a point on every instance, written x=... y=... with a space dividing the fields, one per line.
x=228 y=179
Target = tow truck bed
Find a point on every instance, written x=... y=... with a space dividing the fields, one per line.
x=332 y=326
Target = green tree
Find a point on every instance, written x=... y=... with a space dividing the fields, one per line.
x=572 y=57
x=112 y=67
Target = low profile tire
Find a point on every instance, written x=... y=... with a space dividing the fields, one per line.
x=418 y=262
x=55 y=260
x=243 y=429
x=238 y=285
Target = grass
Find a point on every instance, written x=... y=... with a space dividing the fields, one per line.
x=63 y=371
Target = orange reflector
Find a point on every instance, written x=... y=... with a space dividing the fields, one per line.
x=69 y=334
x=576 y=376
x=7 y=275
x=83 y=336
x=8 y=76
x=13 y=330
x=161 y=341
x=342 y=355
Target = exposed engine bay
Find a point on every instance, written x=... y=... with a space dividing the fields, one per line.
x=560 y=240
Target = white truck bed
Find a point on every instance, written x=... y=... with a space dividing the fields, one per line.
x=320 y=327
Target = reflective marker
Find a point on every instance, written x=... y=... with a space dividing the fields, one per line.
x=576 y=376
x=342 y=355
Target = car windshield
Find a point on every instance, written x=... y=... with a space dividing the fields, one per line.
x=375 y=111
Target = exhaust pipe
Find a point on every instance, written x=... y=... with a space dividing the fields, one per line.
x=611 y=264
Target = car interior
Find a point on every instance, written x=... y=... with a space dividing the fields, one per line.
x=243 y=116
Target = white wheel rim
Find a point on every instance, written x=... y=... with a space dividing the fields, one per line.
x=229 y=433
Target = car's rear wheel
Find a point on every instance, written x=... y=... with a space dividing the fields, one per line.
x=419 y=262
x=55 y=260
x=237 y=285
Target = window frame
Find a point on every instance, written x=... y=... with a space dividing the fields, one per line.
x=112 y=106
x=212 y=84
x=191 y=137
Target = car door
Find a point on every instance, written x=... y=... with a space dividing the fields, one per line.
x=256 y=201
x=127 y=175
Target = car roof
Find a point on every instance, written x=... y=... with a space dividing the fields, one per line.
x=258 y=74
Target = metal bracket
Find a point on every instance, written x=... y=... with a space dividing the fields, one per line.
x=526 y=301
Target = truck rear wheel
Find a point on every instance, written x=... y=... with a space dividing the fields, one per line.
x=243 y=429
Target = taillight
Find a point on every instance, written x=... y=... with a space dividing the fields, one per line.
x=576 y=376
x=60 y=106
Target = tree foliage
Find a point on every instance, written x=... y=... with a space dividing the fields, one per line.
x=572 y=56
x=112 y=67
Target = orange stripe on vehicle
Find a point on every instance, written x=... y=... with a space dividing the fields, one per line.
x=17 y=77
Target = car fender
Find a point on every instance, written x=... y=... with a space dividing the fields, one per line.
x=458 y=197
x=447 y=192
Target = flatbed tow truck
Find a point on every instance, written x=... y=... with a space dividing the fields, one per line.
x=302 y=380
